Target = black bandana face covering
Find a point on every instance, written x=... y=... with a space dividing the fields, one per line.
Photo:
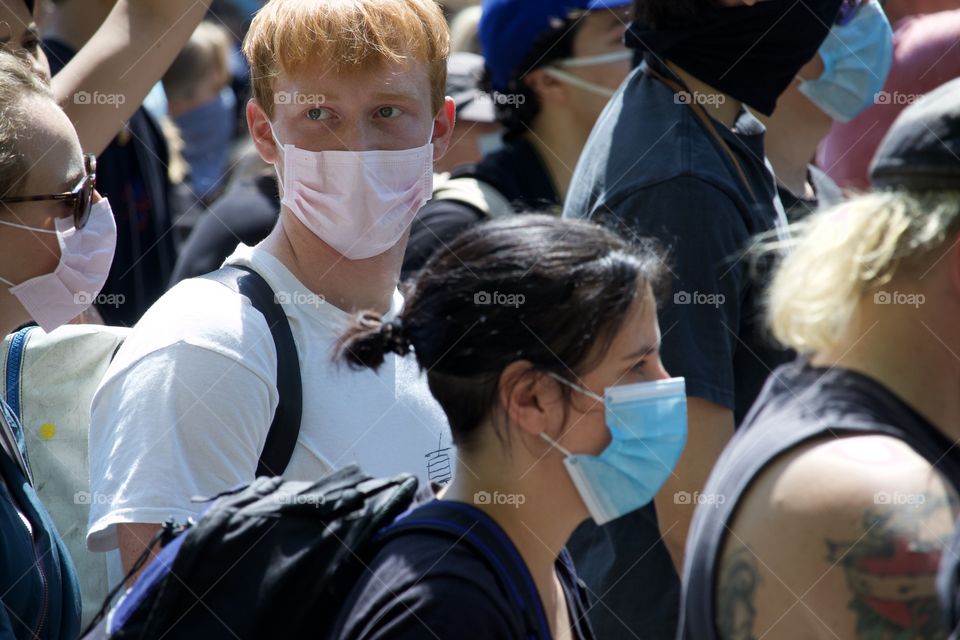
x=751 y=53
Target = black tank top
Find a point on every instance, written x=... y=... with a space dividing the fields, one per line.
x=798 y=404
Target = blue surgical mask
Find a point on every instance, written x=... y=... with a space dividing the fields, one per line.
x=856 y=60
x=207 y=134
x=648 y=424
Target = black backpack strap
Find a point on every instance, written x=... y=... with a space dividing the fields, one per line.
x=282 y=437
x=468 y=524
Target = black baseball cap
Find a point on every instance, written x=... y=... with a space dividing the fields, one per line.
x=922 y=149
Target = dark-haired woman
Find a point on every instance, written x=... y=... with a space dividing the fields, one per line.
x=539 y=339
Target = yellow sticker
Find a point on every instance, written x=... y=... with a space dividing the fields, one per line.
x=48 y=430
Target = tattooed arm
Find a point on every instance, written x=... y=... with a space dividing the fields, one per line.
x=837 y=539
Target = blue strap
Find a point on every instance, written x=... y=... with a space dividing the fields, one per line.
x=14 y=379
x=467 y=523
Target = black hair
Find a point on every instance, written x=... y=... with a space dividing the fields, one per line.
x=660 y=14
x=517 y=114
x=530 y=287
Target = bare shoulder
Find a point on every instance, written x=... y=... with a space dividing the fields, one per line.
x=839 y=538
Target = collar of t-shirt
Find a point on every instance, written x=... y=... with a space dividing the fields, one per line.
x=283 y=282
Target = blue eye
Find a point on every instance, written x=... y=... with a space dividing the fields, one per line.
x=388 y=112
x=316 y=114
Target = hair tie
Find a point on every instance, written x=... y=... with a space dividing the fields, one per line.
x=395 y=337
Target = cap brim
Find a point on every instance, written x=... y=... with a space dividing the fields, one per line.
x=594 y=5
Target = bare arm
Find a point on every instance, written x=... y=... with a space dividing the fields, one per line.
x=118 y=66
x=709 y=429
x=852 y=557
x=134 y=539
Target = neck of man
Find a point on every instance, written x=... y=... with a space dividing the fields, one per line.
x=559 y=139
x=75 y=22
x=791 y=143
x=901 y=347
x=717 y=104
x=529 y=511
x=350 y=285
x=12 y=313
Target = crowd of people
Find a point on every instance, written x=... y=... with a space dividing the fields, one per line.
x=656 y=300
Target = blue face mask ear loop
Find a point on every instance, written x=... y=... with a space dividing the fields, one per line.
x=575 y=387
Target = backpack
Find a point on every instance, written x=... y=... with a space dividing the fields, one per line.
x=463 y=186
x=49 y=383
x=279 y=559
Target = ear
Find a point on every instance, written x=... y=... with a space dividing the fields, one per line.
x=443 y=126
x=549 y=90
x=259 y=125
x=531 y=399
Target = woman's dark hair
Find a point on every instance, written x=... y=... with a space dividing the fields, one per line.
x=530 y=287
x=523 y=106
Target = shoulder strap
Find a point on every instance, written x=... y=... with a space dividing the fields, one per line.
x=471 y=190
x=707 y=122
x=465 y=523
x=282 y=437
x=13 y=378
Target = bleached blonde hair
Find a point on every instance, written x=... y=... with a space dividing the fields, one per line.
x=294 y=36
x=843 y=254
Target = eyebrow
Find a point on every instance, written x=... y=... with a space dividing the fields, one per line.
x=643 y=351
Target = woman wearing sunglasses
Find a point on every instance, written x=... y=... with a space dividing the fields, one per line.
x=58 y=239
x=539 y=339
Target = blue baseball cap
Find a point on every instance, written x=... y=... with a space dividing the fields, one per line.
x=510 y=28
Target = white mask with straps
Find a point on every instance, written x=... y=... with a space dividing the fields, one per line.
x=587 y=61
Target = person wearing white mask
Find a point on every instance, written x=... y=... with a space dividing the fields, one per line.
x=551 y=67
x=352 y=129
x=58 y=238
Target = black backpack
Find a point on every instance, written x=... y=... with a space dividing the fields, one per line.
x=279 y=559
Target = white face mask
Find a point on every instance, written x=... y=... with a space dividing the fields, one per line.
x=358 y=202
x=86 y=254
x=587 y=61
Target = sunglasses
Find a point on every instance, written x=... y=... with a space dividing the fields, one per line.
x=80 y=197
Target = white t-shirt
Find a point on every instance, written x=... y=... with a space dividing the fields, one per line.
x=186 y=404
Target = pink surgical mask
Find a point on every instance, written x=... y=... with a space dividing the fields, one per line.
x=358 y=202
x=86 y=254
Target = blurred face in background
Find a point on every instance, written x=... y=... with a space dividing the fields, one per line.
x=19 y=35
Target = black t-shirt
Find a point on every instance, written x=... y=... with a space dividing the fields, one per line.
x=246 y=213
x=799 y=404
x=651 y=169
x=132 y=174
x=427 y=585
x=517 y=171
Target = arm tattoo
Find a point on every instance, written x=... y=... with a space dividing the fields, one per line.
x=736 y=611
x=892 y=571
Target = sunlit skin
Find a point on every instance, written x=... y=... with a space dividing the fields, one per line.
x=19 y=35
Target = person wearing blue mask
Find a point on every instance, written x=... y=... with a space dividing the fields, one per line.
x=539 y=339
x=838 y=84
x=551 y=66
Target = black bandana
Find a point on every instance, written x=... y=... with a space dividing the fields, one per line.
x=751 y=53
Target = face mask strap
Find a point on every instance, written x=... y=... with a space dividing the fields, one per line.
x=26 y=228
x=575 y=387
x=577 y=81
x=591 y=61
x=556 y=445
x=7 y=282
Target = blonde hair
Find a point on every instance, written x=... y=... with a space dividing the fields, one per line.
x=841 y=255
x=293 y=35
x=17 y=81
x=207 y=52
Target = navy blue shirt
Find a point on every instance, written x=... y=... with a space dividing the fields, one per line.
x=652 y=169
